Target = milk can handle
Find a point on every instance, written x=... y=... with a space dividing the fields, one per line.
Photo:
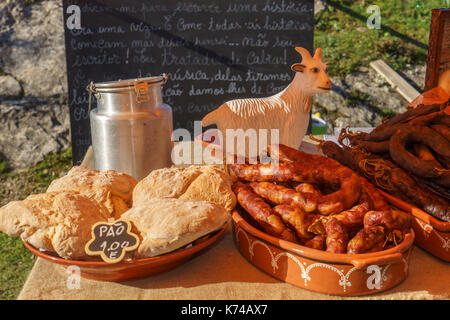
x=91 y=89
x=165 y=77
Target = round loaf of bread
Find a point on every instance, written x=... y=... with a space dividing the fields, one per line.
x=167 y=224
x=111 y=189
x=58 y=222
x=194 y=183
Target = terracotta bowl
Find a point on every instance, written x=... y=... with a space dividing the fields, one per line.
x=321 y=271
x=316 y=270
x=133 y=269
x=432 y=234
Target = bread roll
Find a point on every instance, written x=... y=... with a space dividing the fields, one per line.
x=194 y=183
x=111 y=189
x=57 y=222
x=167 y=224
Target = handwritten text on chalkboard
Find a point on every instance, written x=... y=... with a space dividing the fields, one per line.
x=213 y=51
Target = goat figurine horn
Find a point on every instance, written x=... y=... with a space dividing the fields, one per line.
x=318 y=54
x=304 y=53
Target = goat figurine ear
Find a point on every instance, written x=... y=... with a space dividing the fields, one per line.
x=298 y=67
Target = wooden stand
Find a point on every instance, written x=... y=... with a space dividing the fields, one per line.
x=438 y=47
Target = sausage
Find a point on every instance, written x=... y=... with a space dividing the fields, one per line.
x=350 y=219
x=389 y=127
x=337 y=237
x=388 y=176
x=261 y=212
x=406 y=187
x=353 y=217
x=359 y=139
x=366 y=239
x=378 y=147
x=352 y=137
x=309 y=189
x=442 y=129
x=427 y=119
x=337 y=242
x=424 y=135
x=424 y=153
x=434 y=187
x=379 y=246
x=288 y=154
x=297 y=219
x=390 y=220
x=278 y=194
x=377 y=200
x=318 y=226
x=318 y=242
x=425 y=116
x=321 y=170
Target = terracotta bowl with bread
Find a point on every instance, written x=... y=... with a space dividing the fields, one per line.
x=133 y=269
x=167 y=213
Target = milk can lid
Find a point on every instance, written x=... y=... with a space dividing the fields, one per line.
x=128 y=83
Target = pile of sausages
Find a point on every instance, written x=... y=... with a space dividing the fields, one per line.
x=408 y=155
x=317 y=202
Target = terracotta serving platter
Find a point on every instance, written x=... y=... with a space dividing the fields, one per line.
x=320 y=271
x=431 y=234
x=134 y=269
x=316 y=270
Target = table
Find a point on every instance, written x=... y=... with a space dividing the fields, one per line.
x=220 y=272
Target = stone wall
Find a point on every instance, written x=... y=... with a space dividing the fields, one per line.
x=34 y=116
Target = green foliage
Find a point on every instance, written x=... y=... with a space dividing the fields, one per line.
x=347 y=43
x=15 y=263
x=4 y=167
x=49 y=168
x=28 y=2
x=15 y=260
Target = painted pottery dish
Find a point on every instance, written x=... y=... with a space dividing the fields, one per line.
x=134 y=269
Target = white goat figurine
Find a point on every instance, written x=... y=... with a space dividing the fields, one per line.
x=287 y=111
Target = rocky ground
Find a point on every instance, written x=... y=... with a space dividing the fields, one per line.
x=363 y=98
x=34 y=117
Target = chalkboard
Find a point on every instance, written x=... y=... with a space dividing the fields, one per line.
x=111 y=241
x=212 y=50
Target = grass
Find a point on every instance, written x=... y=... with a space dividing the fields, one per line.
x=15 y=263
x=51 y=167
x=15 y=260
x=4 y=167
x=347 y=43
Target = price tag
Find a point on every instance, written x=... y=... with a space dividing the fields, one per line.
x=111 y=240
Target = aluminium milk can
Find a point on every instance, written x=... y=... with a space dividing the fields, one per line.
x=131 y=127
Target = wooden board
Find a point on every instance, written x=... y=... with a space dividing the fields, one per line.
x=394 y=79
x=213 y=51
x=438 y=47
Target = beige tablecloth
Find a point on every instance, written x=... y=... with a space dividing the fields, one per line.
x=221 y=272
